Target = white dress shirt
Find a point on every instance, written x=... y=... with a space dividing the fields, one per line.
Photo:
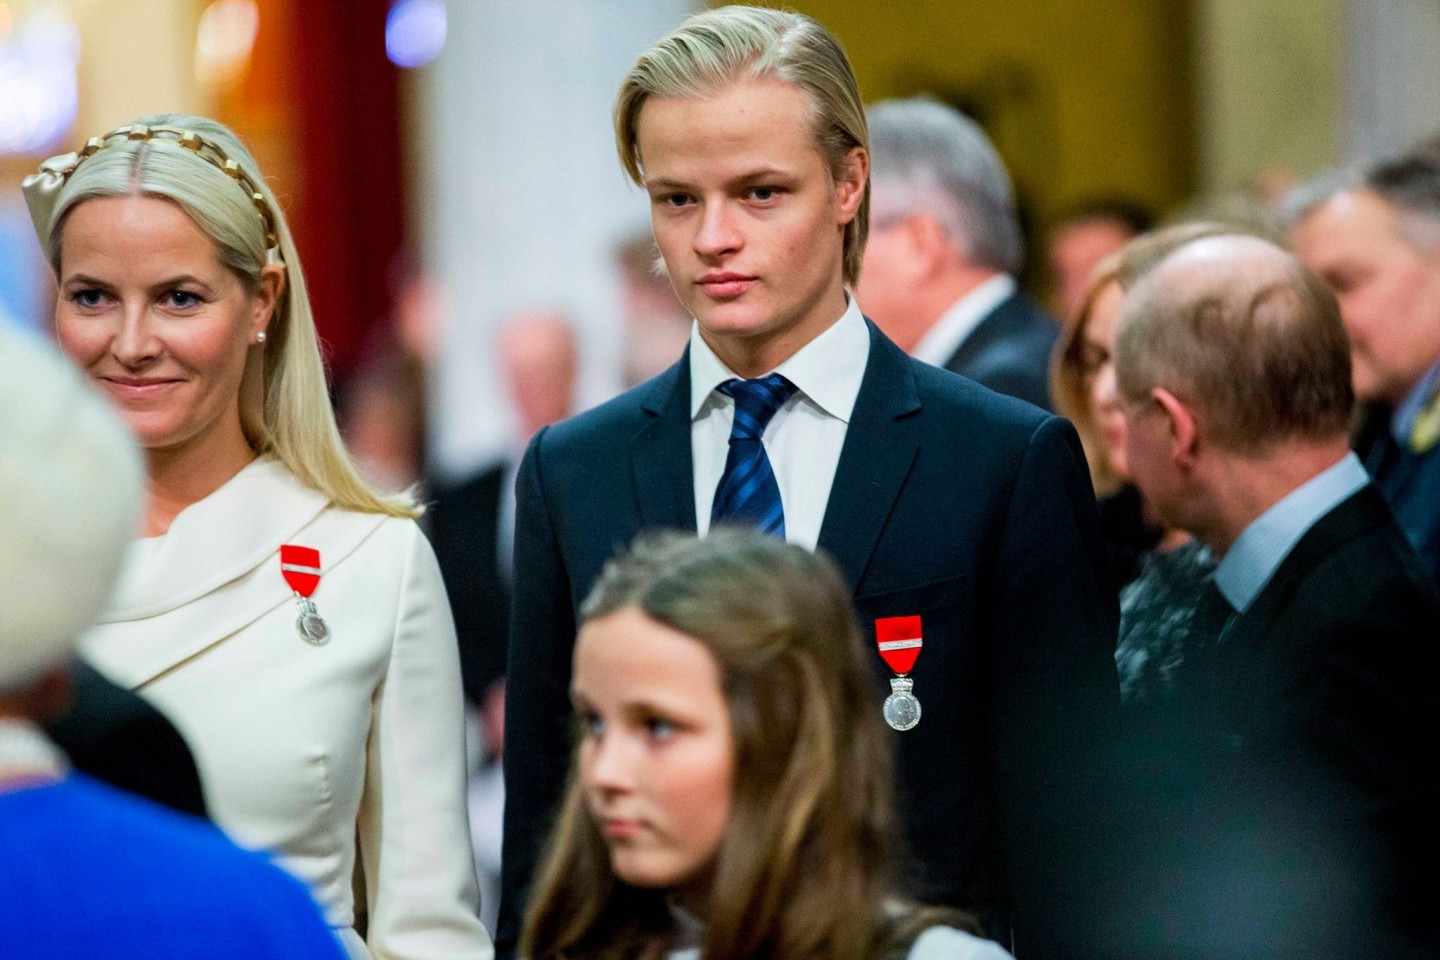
x=942 y=340
x=803 y=439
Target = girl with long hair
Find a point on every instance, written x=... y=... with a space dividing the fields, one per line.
x=731 y=792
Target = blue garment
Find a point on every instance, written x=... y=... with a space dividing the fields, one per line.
x=748 y=492
x=87 y=871
x=1409 y=481
x=1402 y=423
x=1258 y=552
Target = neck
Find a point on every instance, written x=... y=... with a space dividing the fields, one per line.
x=181 y=476
x=933 y=300
x=1248 y=485
x=758 y=354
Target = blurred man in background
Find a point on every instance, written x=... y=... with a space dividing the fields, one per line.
x=86 y=870
x=1286 y=805
x=944 y=245
x=472 y=530
x=1376 y=241
x=656 y=326
x=1081 y=239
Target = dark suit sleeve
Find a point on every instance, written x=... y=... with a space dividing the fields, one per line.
x=1055 y=695
x=116 y=736
x=537 y=705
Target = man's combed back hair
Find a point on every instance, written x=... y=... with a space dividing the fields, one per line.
x=719 y=47
x=934 y=159
x=1264 y=361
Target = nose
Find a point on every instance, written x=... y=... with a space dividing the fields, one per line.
x=136 y=342
x=607 y=765
x=718 y=234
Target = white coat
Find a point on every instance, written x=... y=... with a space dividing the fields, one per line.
x=303 y=749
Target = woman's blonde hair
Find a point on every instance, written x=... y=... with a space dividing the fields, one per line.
x=804 y=869
x=1070 y=365
x=284 y=404
x=719 y=47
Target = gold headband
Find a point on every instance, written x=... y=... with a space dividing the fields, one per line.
x=42 y=189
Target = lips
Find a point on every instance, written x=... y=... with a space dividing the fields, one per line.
x=617 y=828
x=724 y=286
x=137 y=387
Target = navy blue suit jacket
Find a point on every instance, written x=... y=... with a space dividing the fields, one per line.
x=1009 y=351
x=950 y=501
x=1409 y=481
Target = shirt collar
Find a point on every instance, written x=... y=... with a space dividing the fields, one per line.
x=827 y=370
x=1258 y=552
x=944 y=338
x=1402 y=424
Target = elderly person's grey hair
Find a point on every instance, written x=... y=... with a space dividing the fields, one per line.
x=1314 y=193
x=928 y=157
x=71 y=484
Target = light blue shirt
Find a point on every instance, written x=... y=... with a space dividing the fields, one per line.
x=1264 y=545
x=1402 y=423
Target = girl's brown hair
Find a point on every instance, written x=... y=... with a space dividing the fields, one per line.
x=804 y=869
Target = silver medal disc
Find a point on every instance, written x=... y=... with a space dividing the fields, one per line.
x=902 y=710
x=312 y=629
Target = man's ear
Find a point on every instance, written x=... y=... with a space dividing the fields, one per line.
x=850 y=184
x=1183 y=428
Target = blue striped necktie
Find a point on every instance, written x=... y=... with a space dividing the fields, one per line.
x=748 y=492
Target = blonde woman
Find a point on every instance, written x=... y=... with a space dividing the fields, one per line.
x=288 y=618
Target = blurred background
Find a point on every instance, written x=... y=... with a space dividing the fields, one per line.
x=450 y=172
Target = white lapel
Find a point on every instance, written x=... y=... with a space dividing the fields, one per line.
x=216 y=571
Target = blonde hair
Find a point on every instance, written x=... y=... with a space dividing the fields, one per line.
x=284 y=403
x=712 y=49
x=805 y=867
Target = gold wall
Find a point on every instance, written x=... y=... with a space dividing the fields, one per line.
x=1082 y=99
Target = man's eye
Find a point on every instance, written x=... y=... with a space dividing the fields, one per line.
x=676 y=200
x=763 y=193
x=87 y=299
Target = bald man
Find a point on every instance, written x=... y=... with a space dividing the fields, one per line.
x=1289 y=795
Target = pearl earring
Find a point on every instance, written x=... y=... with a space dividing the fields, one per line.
x=260 y=337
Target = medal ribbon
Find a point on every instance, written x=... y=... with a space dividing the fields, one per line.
x=301 y=567
x=899 y=640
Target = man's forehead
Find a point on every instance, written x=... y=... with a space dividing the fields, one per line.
x=749 y=123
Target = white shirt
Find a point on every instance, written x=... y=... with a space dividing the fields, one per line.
x=942 y=340
x=803 y=439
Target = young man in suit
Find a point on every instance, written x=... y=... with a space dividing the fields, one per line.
x=945 y=243
x=1376 y=241
x=1292 y=788
x=962 y=519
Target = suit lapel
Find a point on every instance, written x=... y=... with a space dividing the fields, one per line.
x=660 y=453
x=880 y=446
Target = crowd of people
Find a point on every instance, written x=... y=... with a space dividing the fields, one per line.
x=886 y=616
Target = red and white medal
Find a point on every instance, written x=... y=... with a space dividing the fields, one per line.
x=900 y=640
x=301 y=567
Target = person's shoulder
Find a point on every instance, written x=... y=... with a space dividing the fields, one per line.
x=593 y=436
x=948 y=943
x=950 y=394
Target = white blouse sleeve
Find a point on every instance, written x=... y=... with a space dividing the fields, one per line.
x=414 y=833
x=947 y=943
